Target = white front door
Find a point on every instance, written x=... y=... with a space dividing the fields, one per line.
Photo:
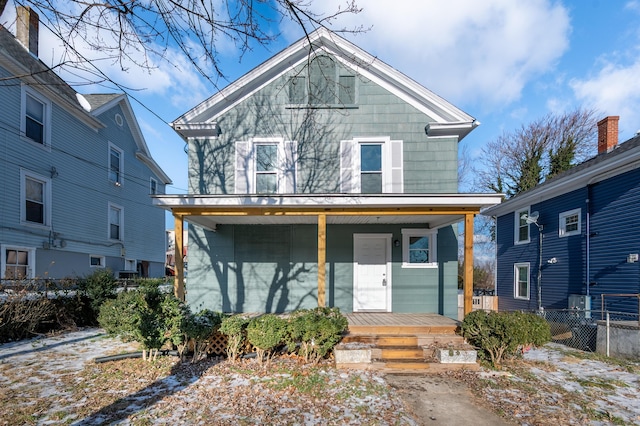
x=371 y=272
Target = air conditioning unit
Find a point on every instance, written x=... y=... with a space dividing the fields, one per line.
x=580 y=302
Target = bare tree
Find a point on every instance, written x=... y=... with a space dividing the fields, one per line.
x=139 y=32
x=518 y=161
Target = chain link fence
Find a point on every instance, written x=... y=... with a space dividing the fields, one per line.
x=577 y=328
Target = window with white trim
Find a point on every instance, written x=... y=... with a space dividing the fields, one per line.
x=265 y=166
x=96 y=261
x=153 y=186
x=570 y=223
x=35 y=196
x=116 y=164
x=419 y=248
x=371 y=165
x=116 y=219
x=522 y=228
x=36 y=113
x=17 y=262
x=521 y=281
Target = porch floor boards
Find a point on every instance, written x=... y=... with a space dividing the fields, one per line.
x=399 y=324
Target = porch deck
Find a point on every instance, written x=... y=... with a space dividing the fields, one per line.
x=402 y=324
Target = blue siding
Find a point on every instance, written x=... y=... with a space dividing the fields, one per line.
x=615 y=226
x=614 y=211
x=558 y=280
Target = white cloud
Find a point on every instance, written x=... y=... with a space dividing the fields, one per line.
x=464 y=50
x=614 y=90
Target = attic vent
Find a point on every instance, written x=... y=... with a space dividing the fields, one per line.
x=119 y=120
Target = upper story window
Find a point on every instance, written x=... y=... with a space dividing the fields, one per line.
x=36 y=113
x=35 y=199
x=116 y=164
x=153 y=186
x=265 y=166
x=521 y=226
x=324 y=85
x=570 y=223
x=371 y=165
x=115 y=222
x=419 y=248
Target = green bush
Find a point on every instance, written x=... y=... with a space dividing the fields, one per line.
x=266 y=333
x=315 y=332
x=502 y=334
x=235 y=328
x=99 y=287
x=199 y=331
x=145 y=315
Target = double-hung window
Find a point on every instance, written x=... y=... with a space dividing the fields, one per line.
x=17 y=262
x=116 y=163
x=371 y=165
x=521 y=226
x=35 y=199
x=153 y=186
x=419 y=248
x=521 y=281
x=265 y=166
x=266 y=172
x=36 y=112
x=115 y=222
x=570 y=223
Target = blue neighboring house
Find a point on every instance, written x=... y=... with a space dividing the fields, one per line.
x=76 y=174
x=589 y=220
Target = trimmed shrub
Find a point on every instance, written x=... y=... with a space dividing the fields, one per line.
x=118 y=316
x=266 y=333
x=315 y=332
x=503 y=334
x=235 y=328
x=199 y=331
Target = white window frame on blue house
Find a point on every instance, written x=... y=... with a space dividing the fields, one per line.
x=392 y=164
x=46 y=199
x=30 y=266
x=563 y=223
x=431 y=236
x=116 y=176
x=153 y=186
x=44 y=121
x=246 y=168
x=516 y=280
x=114 y=208
x=518 y=225
x=96 y=261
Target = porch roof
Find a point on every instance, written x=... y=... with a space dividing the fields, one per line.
x=212 y=210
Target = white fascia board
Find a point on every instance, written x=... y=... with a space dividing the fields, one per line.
x=605 y=170
x=347 y=54
x=352 y=202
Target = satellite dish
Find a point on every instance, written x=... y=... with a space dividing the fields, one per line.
x=532 y=217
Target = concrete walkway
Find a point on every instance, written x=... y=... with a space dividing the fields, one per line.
x=435 y=400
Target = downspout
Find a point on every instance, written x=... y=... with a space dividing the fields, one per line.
x=588 y=244
x=540 y=227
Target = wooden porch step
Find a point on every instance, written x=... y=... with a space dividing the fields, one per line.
x=381 y=340
x=402 y=353
x=440 y=340
x=421 y=368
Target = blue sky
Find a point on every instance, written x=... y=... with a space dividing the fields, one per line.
x=504 y=62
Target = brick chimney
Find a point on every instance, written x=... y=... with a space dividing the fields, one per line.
x=607 y=134
x=27 y=25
